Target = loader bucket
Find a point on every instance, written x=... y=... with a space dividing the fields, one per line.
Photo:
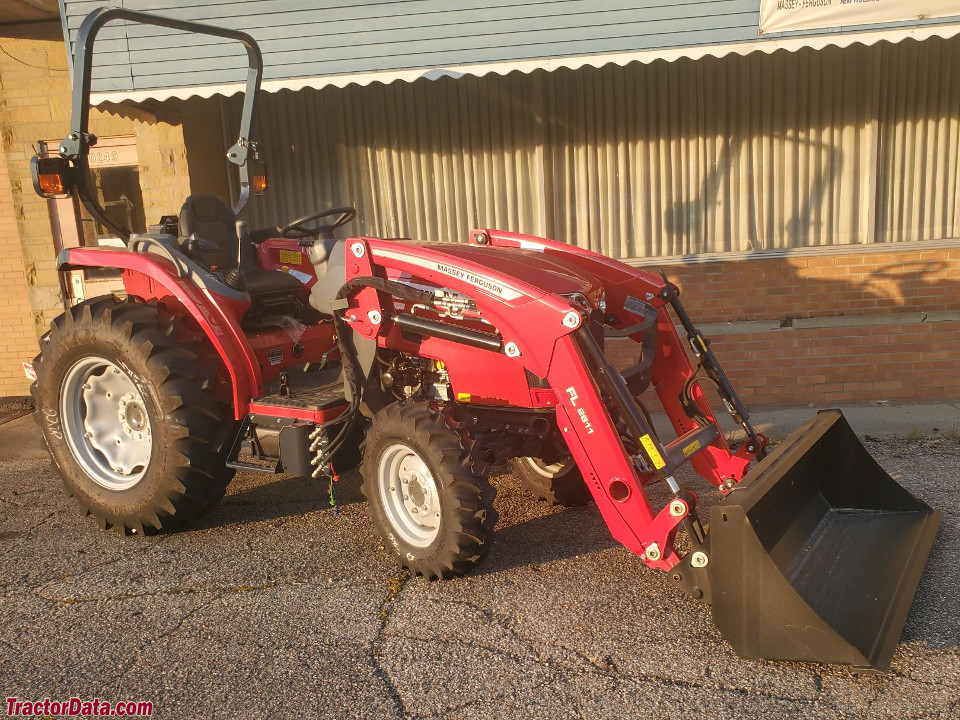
x=817 y=554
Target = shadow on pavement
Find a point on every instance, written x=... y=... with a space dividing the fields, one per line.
x=250 y=500
x=557 y=536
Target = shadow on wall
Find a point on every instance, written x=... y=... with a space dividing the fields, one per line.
x=798 y=222
x=825 y=285
x=738 y=153
x=833 y=328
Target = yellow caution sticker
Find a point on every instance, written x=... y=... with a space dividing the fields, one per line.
x=463 y=397
x=652 y=451
x=294 y=257
x=691 y=448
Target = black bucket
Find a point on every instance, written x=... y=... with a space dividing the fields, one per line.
x=816 y=556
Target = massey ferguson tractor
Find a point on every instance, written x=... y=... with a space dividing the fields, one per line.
x=286 y=350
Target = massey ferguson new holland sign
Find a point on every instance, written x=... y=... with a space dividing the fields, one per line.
x=782 y=15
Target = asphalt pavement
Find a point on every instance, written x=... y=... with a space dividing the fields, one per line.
x=274 y=606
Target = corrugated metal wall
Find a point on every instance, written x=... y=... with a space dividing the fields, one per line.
x=918 y=181
x=827 y=147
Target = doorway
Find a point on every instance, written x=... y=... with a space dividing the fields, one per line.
x=115 y=178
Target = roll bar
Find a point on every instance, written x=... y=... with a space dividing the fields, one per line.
x=76 y=145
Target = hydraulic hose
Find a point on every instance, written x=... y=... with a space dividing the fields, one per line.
x=348 y=351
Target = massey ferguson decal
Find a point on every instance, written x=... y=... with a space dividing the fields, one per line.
x=478 y=280
x=484 y=283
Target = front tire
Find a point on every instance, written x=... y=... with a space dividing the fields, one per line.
x=559 y=483
x=425 y=502
x=134 y=416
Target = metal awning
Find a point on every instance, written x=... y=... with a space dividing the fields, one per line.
x=765 y=44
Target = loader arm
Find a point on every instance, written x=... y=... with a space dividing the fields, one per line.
x=787 y=563
x=627 y=287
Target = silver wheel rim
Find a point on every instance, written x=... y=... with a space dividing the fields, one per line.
x=105 y=423
x=554 y=470
x=409 y=495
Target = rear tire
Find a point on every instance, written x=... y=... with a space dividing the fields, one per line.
x=135 y=415
x=561 y=483
x=425 y=502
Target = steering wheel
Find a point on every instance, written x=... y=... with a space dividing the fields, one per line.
x=299 y=227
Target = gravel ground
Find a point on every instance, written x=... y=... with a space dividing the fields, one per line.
x=275 y=607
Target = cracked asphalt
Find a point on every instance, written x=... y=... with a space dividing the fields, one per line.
x=273 y=606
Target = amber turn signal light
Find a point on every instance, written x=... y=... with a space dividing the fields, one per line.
x=51 y=184
x=51 y=176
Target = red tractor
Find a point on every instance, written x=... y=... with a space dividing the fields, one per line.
x=285 y=350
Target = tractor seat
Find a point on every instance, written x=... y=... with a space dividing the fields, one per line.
x=208 y=217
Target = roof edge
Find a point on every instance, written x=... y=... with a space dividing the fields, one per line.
x=573 y=62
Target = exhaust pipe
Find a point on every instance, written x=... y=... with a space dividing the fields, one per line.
x=817 y=554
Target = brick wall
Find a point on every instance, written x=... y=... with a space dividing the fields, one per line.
x=35 y=105
x=826 y=366
x=16 y=320
x=841 y=326
x=34 y=99
x=836 y=281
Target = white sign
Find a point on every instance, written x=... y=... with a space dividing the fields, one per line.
x=783 y=15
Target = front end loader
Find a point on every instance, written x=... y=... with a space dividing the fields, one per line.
x=286 y=350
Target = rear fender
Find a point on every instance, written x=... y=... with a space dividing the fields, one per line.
x=151 y=277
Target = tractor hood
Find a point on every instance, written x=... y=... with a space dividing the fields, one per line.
x=551 y=274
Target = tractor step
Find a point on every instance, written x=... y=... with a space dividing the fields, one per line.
x=270 y=465
x=310 y=396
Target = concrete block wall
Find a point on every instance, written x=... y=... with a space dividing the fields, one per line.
x=843 y=326
x=35 y=105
